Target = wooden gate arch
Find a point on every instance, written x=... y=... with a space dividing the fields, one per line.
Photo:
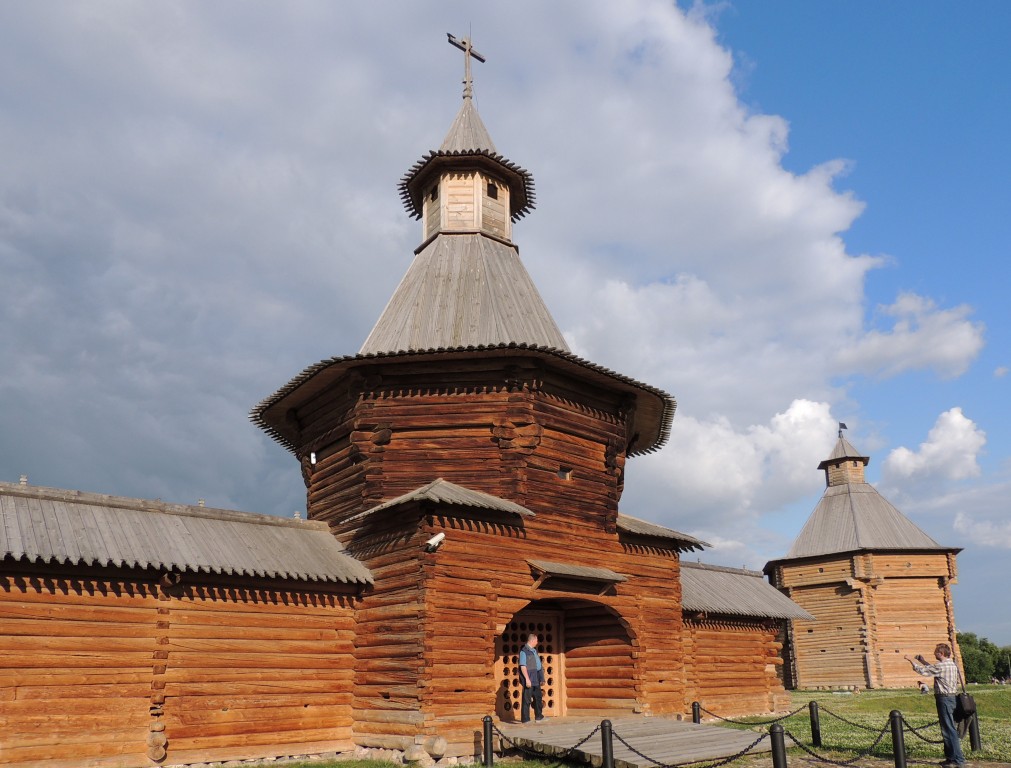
x=587 y=651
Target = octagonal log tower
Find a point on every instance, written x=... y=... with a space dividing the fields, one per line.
x=465 y=414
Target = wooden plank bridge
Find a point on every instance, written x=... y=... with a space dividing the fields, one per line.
x=666 y=741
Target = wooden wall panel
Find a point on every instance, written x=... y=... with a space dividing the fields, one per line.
x=830 y=652
x=731 y=666
x=599 y=664
x=76 y=665
x=257 y=668
x=911 y=618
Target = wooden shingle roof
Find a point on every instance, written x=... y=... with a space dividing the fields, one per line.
x=684 y=542
x=53 y=526
x=715 y=590
x=468 y=143
x=843 y=450
x=441 y=491
x=854 y=516
x=464 y=290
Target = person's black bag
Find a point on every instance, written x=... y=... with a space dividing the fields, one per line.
x=965 y=706
x=965 y=709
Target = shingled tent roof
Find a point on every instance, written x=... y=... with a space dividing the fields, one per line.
x=466 y=295
x=468 y=143
x=464 y=290
x=843 y=450
x=853 y=516
x=53 y=526
x=713 y=589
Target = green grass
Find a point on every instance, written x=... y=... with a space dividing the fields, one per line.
x=868 y=711
x=841 y=740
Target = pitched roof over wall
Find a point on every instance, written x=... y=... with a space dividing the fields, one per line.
x=48 y=525
x=441 y=491
x=685 y=543
x=713 y=589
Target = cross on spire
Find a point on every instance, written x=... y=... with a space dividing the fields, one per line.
x=468 y=51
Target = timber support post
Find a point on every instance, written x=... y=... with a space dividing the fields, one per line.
x=607 y=744
x=696 y=712
x=778 y=746
x=489 y=755
x=812 y=707
x=974 y=742
x=898 y=738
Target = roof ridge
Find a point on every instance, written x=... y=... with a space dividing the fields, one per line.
x=721 y=568
x=154 y=506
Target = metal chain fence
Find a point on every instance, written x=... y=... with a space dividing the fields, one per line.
x=753 y=722
x=821 y=758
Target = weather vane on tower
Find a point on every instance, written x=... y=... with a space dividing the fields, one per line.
x=468 y=51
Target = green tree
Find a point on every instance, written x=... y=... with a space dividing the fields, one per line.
x=980 y=657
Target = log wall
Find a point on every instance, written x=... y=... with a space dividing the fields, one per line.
x=113 y=670
x=732 y=666
x=872 y=609
x=829 y=652
x=76 y=670
x=254 y=672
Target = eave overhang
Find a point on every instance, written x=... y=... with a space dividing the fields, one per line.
x=771 y=565
x=416 y=180
x=653 y=411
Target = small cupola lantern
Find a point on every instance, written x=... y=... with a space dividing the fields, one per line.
x=845 y=465
x=466 y=186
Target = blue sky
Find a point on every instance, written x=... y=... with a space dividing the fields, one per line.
x=786 y=214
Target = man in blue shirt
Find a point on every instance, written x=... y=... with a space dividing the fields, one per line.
x=532 y=677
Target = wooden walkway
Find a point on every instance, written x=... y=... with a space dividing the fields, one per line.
x=664 y=740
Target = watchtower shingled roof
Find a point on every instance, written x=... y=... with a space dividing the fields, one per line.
x=852 y=515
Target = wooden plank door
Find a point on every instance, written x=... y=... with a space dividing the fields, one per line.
x=548 y=627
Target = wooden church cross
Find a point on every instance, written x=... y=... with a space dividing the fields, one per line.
x=468 y=51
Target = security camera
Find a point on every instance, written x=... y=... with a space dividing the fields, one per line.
x=435 y=542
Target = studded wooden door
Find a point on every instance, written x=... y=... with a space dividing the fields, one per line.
x=547 y=625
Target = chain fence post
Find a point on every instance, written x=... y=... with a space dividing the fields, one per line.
x=489 y=754
x=974 y=742
x=778 y=746
x=898 y=738
x=607 y=744
x=696 y=712
x=812 y=707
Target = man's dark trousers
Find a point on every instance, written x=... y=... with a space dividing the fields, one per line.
x=532 y=693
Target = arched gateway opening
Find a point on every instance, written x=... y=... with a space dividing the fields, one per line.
x=586 y=650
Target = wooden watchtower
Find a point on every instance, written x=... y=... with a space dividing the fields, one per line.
x=878 y=586
x=474 y=465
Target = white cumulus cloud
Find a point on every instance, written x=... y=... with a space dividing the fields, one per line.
x=922 y=336
x=950 y=451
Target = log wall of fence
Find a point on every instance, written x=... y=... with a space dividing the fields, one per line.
x=113 y=670
x=732 y=665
